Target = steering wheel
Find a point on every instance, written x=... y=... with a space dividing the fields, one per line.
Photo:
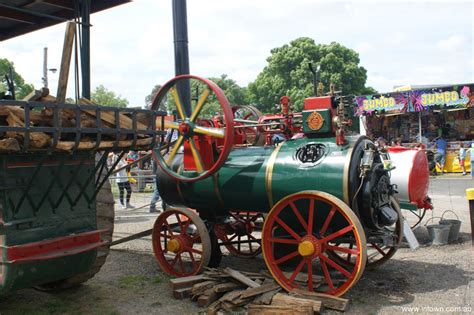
x=191 y=122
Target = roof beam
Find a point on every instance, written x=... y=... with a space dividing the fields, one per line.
x=7 y=13
x=63 y=4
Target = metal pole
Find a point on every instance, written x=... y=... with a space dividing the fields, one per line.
x=181 y=54
x=470 y=197
x=45 y=67
x=85 y=48
x=419 y=127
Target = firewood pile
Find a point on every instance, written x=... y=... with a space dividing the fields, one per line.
x=116 y=131
x=225 y=291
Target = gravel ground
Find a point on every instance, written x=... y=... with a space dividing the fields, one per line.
x=432 y=279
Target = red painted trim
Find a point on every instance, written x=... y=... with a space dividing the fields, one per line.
x=55 y=248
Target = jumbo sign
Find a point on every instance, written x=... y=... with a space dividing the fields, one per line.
x=416 y=100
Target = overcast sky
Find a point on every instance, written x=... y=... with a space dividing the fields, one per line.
x=399 y=42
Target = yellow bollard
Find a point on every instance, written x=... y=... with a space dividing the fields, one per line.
x=470 y=197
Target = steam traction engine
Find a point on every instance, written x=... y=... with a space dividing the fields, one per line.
x=327 y=196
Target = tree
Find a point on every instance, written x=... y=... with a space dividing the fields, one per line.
x=149 y=98
x=102 y=96
x=287 y=73
x=21 y=88
x=236 y=95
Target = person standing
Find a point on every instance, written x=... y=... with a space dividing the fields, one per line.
x=471 y=152
x=440 y=156
x=156 y=194
x=123 y=184
x=462 y=158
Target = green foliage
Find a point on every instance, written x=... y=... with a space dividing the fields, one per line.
x=21 y=88
x=104 y=97
x=131 y=281
x=149 y=98
x=287 y=73
x=234 y=93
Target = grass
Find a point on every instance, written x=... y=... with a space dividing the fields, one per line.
x=135 y=281
x=131 y=281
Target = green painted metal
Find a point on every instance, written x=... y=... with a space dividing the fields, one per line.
x=325 y=128
x=44 y=196
x=245 y=182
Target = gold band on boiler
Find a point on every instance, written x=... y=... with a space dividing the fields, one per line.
x=269 y=174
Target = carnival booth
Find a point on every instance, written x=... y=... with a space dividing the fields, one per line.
x=419 y=116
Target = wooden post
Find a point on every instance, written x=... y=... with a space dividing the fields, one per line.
x=470 y=197
x=65 y=62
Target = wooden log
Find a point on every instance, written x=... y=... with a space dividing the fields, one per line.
x=255 y=309
x=109 y=116
x=88 y=145
x=36 y=95
x=200 y=287
x=37 y=139
x=214 y=308
x=228 y=286
x=65 y=62
x=241 y=278
x=9 y=144
x=230 y=296
x=185 y=281
x=284 y=299
x=266 y=298
x=303 y=278
x=208 y=297
x=250 y=292
x=329 y=301
x=182 y=293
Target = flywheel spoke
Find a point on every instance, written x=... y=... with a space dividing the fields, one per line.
x=199 y=105
x=178 y=104
x=196 y=155
x=175 y=149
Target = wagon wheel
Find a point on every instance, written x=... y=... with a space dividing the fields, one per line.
x=377 y=252
x=297 y=233
x=252 y=114
x=238 y=234
x=192 y=124
x=181 y=242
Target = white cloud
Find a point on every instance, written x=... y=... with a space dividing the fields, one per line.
x=452 y=43
x=132 y=44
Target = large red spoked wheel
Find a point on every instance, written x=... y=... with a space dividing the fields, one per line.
x=181 y=242
x=297 y=234
x=193 y=124
x=239 y=235
x=377 y=252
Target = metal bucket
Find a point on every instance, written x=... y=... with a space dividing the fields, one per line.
x=439 y=233
x=455 y=226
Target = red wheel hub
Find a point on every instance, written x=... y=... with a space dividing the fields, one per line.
x=184 y=128
x=243 y=228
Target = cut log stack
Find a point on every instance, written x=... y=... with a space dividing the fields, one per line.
x=13 y=115
x=225 y=291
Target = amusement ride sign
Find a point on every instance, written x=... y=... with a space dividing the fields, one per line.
x=458 y=96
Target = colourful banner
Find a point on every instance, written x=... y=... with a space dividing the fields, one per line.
x=456 y=96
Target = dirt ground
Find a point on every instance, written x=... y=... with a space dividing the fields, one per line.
x=432 y=279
